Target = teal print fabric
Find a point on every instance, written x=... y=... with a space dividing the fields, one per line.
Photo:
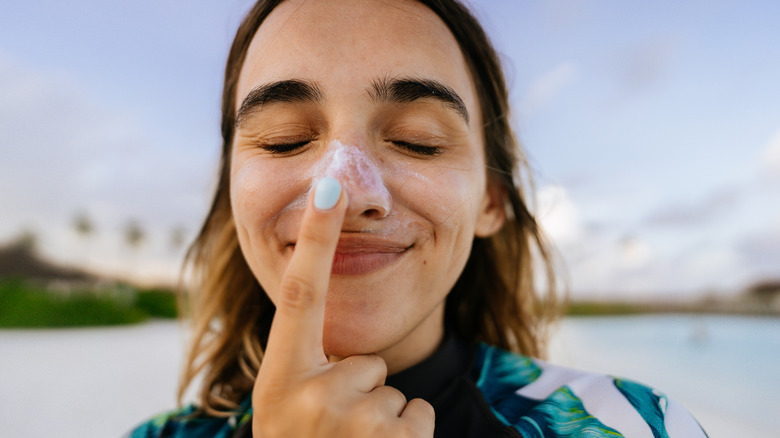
x=542 y=400
x=526 y=398
x=650 y=404
x=562 y=415
x=183 y=423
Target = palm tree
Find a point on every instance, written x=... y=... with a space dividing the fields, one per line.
x=178 y=237
x=135 y=235
x=85 y=228
x=83 y=224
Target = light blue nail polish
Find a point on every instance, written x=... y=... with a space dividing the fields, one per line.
x=327 y=193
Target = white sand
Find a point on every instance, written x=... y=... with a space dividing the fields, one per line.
x=86 y=382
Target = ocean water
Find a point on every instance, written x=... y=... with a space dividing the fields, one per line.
x=101 y=382
x=724 y=369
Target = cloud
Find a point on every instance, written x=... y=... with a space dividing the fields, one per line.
x=617 y=261
x=558 y=215
x=46 y=125
x=716 y=205
x=62 y=152
x=771 y=155
x=606 y=266
x=709 y=267
x=634 y=252
x=598 y=259
x=761 y=249
x=544 y=89
x=644 y=267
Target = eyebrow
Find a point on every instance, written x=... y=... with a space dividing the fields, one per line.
x=401 y=90
x=292 y=90
x=404 y=90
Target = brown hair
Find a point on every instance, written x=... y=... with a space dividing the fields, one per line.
x=495 y=299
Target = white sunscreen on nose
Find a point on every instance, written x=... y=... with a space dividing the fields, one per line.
x=358 y=174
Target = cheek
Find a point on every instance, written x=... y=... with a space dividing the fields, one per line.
x=265 y=197
x=446 y=197
x=250 y=195
x=259 y=194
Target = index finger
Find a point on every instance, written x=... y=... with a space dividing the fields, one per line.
x=295 y=339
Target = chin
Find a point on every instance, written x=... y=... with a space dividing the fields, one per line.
x=352 y=336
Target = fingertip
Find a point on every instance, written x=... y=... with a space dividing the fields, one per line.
x=327 y=193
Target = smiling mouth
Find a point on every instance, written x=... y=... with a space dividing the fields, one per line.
x=361 y=256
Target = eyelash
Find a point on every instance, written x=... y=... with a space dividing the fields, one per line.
x=428 y=151
x=283 y=148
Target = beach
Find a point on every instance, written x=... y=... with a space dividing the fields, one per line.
x=100 y=382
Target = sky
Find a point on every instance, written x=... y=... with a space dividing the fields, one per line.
x=652 y=130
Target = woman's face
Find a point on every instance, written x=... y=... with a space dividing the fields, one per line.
x=378 y=95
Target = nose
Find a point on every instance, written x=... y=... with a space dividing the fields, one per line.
x=362 y=180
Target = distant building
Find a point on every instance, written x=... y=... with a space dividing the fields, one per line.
x=765 y=293
x=19 y=259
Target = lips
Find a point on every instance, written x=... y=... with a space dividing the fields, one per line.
x=361 y=255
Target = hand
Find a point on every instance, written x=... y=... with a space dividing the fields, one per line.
x=298 y=393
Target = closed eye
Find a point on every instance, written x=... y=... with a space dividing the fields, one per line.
x=418 y=149
x=284 y=148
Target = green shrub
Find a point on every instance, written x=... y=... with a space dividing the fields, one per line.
x=157 y=302
x=597 y=308
x=25 y=305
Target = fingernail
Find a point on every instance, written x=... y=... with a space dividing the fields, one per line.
x=327 y=193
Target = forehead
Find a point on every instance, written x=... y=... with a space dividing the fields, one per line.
x=349 y=43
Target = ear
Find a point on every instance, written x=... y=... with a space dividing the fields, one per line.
x=491 y=215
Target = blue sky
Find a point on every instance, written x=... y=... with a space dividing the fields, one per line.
x=652 y=128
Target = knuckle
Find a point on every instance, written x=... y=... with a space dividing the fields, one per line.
x=378 y=362
x=297 y=292
x=397 y=397
x=423 y=407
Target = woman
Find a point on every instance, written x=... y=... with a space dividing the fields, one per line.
x=367 y=263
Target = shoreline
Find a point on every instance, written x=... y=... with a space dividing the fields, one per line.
x=720 y=307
